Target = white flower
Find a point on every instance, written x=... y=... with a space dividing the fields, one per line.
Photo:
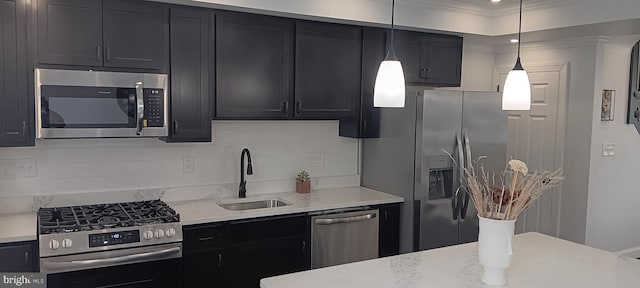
x=518 y=166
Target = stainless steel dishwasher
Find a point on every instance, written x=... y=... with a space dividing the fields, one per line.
x=344 y=236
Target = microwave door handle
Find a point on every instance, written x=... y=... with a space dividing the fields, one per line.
x=140 y=108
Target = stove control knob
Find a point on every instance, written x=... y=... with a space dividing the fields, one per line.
x=66 y=243
x=171 y=232
x=54 y=244
x=148 y=235
x=159 y=233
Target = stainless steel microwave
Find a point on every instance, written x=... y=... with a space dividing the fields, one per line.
x=92 y=104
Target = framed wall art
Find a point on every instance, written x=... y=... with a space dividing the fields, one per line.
x=608 y=103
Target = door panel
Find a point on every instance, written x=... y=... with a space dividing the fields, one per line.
x=532 y=138
x=134 y=34
x=15 y=110
x=443 y=60
x=70 y=32
x=442 y=118
x=254 y=67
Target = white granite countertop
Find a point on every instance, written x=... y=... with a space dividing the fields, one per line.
x=18 y=227
x=208 y=210
x=539 y=261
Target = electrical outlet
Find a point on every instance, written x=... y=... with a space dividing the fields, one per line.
x=315 y=159
x=188 y=164
x=608 y=149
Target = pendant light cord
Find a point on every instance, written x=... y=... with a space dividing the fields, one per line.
x=519 y=28
x=393 y=10
x=391 y=52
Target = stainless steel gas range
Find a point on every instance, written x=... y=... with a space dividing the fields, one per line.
x=136 y=244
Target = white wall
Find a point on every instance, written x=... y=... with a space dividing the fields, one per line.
x=581 y=56
x=613 y=213
x=58 y=171
x=478 y=58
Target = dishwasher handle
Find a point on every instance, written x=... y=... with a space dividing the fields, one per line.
x=330 y=221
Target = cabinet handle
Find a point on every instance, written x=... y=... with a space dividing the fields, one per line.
x=304 y=246
x=386 y=216
x=27 y=258
x=219 y=260
x=24 y=128
x=108 y=54
x=175 y=127
x=98 y=53
x=205 y=238
x=299 y=107
x=423 y=73
x=428 y=73
x=364 y=125
x=285 y=109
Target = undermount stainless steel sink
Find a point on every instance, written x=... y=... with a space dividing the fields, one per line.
x=249 y=205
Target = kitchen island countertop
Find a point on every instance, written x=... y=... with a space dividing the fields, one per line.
x=538 y=261
x=18 y=227
x=208 y=210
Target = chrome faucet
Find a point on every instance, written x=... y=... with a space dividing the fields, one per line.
x=243 y=183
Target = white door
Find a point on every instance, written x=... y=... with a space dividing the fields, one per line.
x=537 y=137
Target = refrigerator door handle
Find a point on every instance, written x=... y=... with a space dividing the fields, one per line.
x=468 y=162
x=455 y=201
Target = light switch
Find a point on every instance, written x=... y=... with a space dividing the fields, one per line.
x=608 y=149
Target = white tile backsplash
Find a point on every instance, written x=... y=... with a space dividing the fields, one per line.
x=81 y=171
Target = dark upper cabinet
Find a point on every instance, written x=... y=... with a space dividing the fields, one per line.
x=134 y=34
x=254 y=66
x=190 y=83
x=97 y=33
x=16 y=107
x=429 y=59
x=70 y=32
x=328 y=62
x=366 y=122
x=20 y=256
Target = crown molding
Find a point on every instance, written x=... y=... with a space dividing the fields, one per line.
x=531 y=5
x=591 y=41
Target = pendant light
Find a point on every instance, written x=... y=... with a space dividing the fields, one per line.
x=389 y=87
x=517 y=89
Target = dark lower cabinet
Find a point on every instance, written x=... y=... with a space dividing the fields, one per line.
x=254 y=66
x=16 y=106
x=190 y=81
x=134 y=34
x=156 y=274
x=389 y=241
x=203 y=256
x=19 y=257
x=328 y=62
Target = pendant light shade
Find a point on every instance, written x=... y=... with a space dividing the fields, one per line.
x=517 y=88
x=389 y=88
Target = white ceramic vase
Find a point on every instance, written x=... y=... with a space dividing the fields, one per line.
x=495 y=250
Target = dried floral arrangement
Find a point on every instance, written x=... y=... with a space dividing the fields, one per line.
x=505 y=195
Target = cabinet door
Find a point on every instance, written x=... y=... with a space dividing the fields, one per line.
x=134 y=34
x=366 y=123
x=443 y=60
x=190 y=115
x=389 y=230
x=254 y=66
x=70 y=32
x=327 y=70
x=409 y=49
x=203 y=268
x=249 y=263
x=18 y=257
x=15 y=110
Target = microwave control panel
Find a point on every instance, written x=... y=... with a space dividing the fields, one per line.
x=154 y=107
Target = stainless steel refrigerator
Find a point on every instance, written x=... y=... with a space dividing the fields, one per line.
x=409 y=160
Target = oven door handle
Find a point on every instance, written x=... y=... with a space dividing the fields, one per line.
x=85 y=264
